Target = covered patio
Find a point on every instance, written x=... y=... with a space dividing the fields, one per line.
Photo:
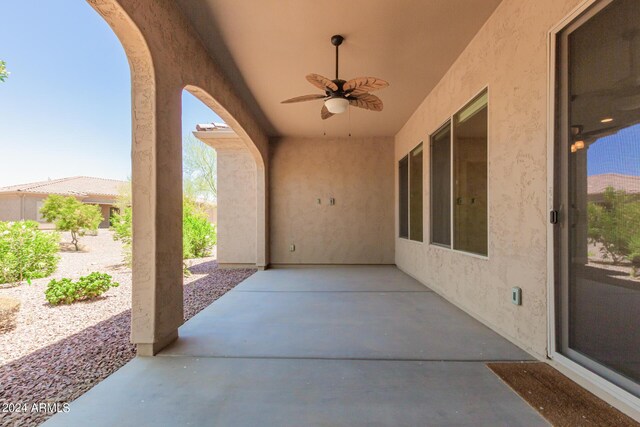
x=351 y=346
x=460 y=182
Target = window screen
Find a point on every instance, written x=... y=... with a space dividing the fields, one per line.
x=415 y=193
x=440 y=207
x=403 y=199
x=470 y=177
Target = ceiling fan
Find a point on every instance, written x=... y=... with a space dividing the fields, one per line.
x=339 y=94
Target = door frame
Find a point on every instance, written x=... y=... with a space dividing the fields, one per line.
x=605 y=389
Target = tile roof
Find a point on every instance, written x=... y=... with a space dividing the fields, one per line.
x=72 y=186
x=204 y=127
x=596 y=184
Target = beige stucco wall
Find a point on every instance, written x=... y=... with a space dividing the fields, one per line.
x=358 y=174
x=16 y=207
x=10 y=207
x=237 y=205
x=509 y=56
x=31 y=207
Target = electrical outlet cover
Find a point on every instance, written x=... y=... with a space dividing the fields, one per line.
x=516 y=296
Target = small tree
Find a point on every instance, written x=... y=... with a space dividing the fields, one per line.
x=69 y=214
x=199 y=169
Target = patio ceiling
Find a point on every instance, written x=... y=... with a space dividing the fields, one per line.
x=267 y=47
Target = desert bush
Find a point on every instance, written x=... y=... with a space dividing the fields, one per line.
x=66 y=291
x=70 y=214
x=198 y=234
x=9 y=308
x=26 y=252
x=121 y=226
x=613 y=223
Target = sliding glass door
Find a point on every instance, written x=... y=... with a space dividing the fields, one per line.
x=597 y=181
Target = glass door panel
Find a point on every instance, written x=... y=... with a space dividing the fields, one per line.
x=598 y=183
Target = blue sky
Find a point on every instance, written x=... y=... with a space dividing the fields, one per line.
x=618 y=153
x=65 y=109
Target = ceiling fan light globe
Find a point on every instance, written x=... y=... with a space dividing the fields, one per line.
x=337 y=105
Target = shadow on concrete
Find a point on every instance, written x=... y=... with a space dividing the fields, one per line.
x=63 y=371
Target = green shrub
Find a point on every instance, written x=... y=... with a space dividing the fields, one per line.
x=121 y=225
x=26 y=252
x=612 y=223
x=66 y=291
x=198 y=234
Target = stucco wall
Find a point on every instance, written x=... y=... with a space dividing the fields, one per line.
x=509 y=56
x=10 y=208
x=237 y=201
x=31 y=207
x=358 y=174
x=16 y=207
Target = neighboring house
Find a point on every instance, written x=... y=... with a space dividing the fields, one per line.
x=597 y=184
x=23 y=201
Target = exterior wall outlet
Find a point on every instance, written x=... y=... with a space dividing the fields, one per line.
x=292 y=248
x=332 y=201
x=516 y=296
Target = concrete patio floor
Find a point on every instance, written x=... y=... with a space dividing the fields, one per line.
x=332 y=346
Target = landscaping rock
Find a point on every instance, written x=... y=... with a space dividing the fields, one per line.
x=57 y=353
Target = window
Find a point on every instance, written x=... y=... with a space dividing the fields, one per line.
x=459 y=165
x=470 y=177
x=403 y=199
x=415 y=194
x=440 y=206
x=410 y=195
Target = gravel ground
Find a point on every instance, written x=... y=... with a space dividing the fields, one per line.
x=56 y=354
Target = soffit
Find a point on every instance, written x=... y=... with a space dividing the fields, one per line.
x=267 y=47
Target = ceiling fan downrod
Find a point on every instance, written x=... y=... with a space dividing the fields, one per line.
x=337 y=41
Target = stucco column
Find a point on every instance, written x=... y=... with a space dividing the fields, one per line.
x=157 y=305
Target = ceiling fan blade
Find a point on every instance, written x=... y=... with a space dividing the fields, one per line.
x=367 y=101
x=361 y=85
x=322 y=82
x=324 y=113
x=303 y=98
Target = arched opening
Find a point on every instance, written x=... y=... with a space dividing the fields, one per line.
x=150 y=145
x=157 y=85
x=242 y=172
x=236 y=180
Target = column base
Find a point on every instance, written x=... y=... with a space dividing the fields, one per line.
x=151 y=349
